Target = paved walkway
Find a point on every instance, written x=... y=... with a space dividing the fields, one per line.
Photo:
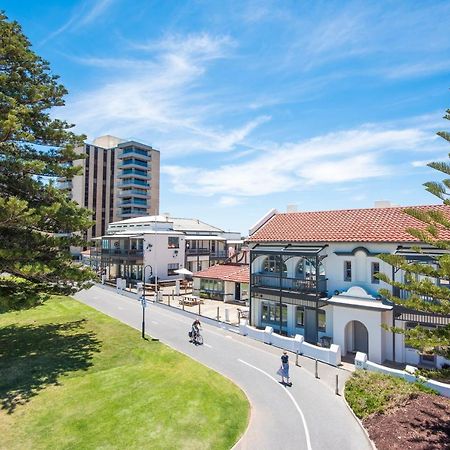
x=306 y=416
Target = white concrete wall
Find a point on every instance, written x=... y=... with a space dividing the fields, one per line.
x=372 y=320
x=361 y=266
x=296 y=344
x=159 y=255
x=442 y=388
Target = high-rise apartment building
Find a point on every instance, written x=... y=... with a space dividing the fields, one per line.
x=120 y=181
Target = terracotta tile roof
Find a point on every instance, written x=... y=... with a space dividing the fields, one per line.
x=226 y=272
x=348 y=225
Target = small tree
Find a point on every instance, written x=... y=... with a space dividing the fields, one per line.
x=37 y=220
x=425 y=296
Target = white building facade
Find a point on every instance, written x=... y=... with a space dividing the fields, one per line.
x=314 y=274
x=159 y=245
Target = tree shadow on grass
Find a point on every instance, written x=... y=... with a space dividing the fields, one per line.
x=33 y=357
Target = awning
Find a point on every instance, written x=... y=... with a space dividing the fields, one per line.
x=183 y=271
x=294 y=250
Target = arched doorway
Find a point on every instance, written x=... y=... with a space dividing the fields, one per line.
x=356 y=337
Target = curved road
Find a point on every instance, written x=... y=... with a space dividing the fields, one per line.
x=307 y=415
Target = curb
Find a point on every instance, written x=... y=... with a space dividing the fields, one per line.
x=372 y=444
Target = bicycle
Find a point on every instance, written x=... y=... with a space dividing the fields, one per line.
x=196 y=338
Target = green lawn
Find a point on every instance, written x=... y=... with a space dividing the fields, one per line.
x=370 y=392
x=71 y=377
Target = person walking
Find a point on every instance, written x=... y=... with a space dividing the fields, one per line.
x=284 y=369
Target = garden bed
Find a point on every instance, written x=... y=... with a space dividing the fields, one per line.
x=398 y=414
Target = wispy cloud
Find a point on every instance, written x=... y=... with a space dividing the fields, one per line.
x=84 y=14
x=334 y=158
x=160 y=97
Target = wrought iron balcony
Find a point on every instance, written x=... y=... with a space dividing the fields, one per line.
x=121 y=252
x=308 y=286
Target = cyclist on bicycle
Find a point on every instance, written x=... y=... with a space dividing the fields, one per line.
x=195 y=330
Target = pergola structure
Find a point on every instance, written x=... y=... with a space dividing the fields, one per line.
x=309 y=292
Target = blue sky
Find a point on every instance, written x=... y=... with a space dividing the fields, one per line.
x=258 y=104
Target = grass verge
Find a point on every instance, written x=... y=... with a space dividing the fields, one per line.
x=71 y=377
x=369 y=392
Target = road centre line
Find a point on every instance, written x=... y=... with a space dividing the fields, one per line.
x=308 y=439
x=207 y=345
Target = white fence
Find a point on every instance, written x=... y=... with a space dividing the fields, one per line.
x=330 y=355
x=361 y=362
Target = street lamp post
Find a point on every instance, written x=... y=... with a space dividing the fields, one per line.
x=143 y=301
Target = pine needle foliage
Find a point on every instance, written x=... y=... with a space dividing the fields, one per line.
x=424 y=295
x=38 y=222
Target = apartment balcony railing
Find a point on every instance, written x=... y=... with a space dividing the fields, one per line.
x=134 y=173
x=133 y=211
x=289 y=284
x=133 y=162
x=206 y=251
x=134 y=201
x=133 y=193
x=197 y=251
x=133 y=182
x=121 y=252
x=137 y=152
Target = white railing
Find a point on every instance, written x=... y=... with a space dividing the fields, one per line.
x=330 y=355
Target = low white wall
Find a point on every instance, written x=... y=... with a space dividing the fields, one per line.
x=330 y=355
x=442 y=388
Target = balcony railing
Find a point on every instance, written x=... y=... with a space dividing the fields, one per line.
x=289 y=284
x=134 y=173
x=134 y=201
x=133 y=212
x=197 y=251
x=133 y=182
x=121 y=252
x=139 y=153
x=133 y=162
x=206 y=251
x=132 y=193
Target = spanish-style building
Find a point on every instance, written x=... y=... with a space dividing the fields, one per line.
x=313 y=273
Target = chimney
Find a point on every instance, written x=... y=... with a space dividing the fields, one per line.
x=383 y=204
x=291 y=208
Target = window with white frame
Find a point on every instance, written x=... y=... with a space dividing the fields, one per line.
x=171 y=269
x=347 y=271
